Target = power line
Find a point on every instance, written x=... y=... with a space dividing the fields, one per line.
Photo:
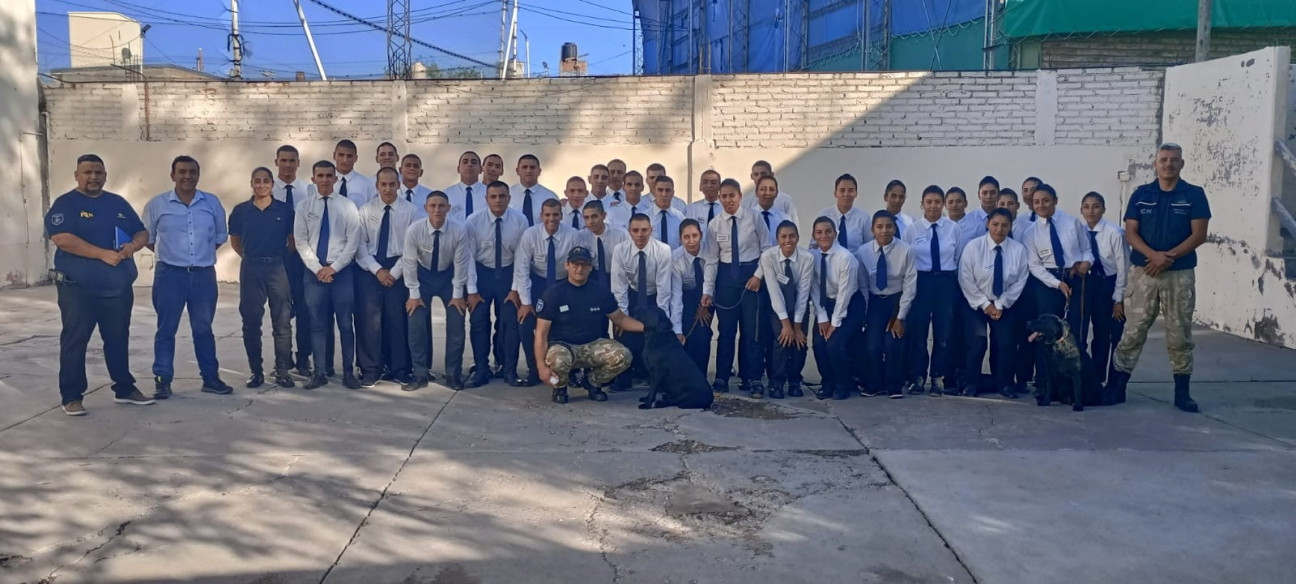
x=412 y=40
x=550 y=13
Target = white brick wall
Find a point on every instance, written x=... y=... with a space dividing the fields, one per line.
x=86 y=111
x=1109 y=106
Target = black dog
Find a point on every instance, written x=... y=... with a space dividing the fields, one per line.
x=674 y=378
x=1071 y=376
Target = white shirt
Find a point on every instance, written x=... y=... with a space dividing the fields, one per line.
x=859 y=229
x=971 y=226
x=783 y=202
x=1020 y=225
x=701 y=210
x=902 y=271
x=682 y=279
x=402 y=215
x=619 y=213
x=539 y=194
x=533 y=256
x=344 y=231
x=573 y=217
x=752 y=240
x=416 y=196
x=1075 y=246
x=616 y=195
x=841 y=283
x=903 y=223
x=359 y=188
x=772 y=264
x=458 y=194
x=1114 y=254
x=976 y=273
x=919 y=239
x=302 y=190
x=612 y=237
x=673 y=219
x=678 y=204
x=625 y=273
x=775 y=218
x=456 y=250
x=481 y=227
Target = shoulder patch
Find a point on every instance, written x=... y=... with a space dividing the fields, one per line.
x=539 y=305
x=56 y=219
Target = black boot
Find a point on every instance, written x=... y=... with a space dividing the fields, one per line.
x=1182 y=399
x=1114 y=393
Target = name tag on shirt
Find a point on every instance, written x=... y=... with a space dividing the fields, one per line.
x=722 y=237
x=782 y=279
x=564 y=308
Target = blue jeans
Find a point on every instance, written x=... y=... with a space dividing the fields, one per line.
x=327 y=301
x=174 y=290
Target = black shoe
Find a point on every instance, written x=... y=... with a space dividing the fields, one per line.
x=915 y=387
x=824 y=392
x=316 y=382
x=870 y=392
x=414 y=385
x=896 y=393
x=1115 y=391
x=971 y=391
x=161 y=387
x=255 y=381
x=560 y=395
x=216 y=386
x=531 y=380
x=497 y=372
x=515 y=382
x=1182 y=400
x=478 y=381
x=754 y=389
x=303 y=371
x=793 y=390
x=350 y=382
x=720 y=386
x=282 y=379
x=1042 y=401
x=840 y=394
x=455 y=382
x=368 y=381
x=1008 y=392
x=387 y=376
x=596 y=394
x=331 y=373
x=936 y=388
x=775 y=391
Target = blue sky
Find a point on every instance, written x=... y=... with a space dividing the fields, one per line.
x=270 y=29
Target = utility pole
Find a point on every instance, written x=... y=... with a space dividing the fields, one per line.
x=1203 y=30
x=503 y=55
x=310 y=40
x=634 y=42
x=236 y=42
x=398 y=39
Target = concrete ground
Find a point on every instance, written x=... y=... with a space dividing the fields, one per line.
x=499 y=485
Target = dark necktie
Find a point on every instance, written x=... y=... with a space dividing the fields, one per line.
x=1032 y=217
x=1097 y=265
x=409 y=195
x=665 y=239
x=823 y=277
x=616 y=195
x=436 y=251
x=1056 y=242
x=384 y=235
x=634 y=209
x=499 y=246
x=998 y=286
x=899 y=234
x=765 y=214
x=642 y=304
x=551 y=267
x=321 y=247
x=841 y=232
x=789 y=288
x=733 y=246
x=343 y=191
x=602 y=265
x=881 y=270
x=935 y=249
x=468 y=202
x=289 y=195
x=710 y=212
x=526 y=207
x=697 y=273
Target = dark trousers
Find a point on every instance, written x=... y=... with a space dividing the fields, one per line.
x=981 y=333
x=697 y=336
x=1107 y=331
x=885 y=352
x=958 y=348
x=494 y=286
x=81 y=312
x=526 y=329
x=1053 y=301
x=435 y=285
x=731 y=291
x=262 y=281
x=329 y=302
x=785 y=364
x=1027 y=307
x=301 y=313
x=635 y=341
x=382 y=327
x=174 y=290
x=833 y=355
x=933 y=308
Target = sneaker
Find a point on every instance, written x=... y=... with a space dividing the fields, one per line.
x=255 y=381
x=937 y=388
x=755 y=390
x=896 y=393
x=841 y=393
x=915 y=387
x=720 y=386
x=216 y=386
x=350 y=382
x=303 y=372
x=871 y=392
x=1008 y=392
x=368 y=381
x=775 y=391
x=316 y=382
x=135 y=398
x=161 y=387
x=794 y=390
x=76 y=409
x=282 y=378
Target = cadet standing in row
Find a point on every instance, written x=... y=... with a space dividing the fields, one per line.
x=688 y=267
x=789 y=273
x=260 y=232
x=601 y=238
x=291 y=189
x=381 y=327
x=641 y=281
x=733 y=284
x=889 y=270
x=438 y=260
x=839 y=304
x=540 y=263
x=496 y=231
x=529 y=194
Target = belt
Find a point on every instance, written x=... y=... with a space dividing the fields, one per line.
x=742 y=264
x=187 y=268
x=937 y=272
x=1059 y=273
x=885 y=296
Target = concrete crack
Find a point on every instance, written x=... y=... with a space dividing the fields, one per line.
x=121 y=529
x=383 y=494
x=600 y=537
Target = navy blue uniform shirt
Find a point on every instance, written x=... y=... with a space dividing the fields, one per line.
x=264 y=233
x=578 y=313
x=106 y=221
x=1165 y=219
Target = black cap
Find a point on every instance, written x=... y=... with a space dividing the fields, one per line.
x=580 y=254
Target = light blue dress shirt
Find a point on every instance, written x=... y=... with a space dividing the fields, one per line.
x=186 y=235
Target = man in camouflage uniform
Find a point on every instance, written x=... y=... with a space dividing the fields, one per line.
x=1165 y=222
x=571 y=331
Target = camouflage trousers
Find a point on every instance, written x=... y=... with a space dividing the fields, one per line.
x=1173 y=293
x=605 y=358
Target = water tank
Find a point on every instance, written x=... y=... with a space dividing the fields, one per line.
x=418 y=71
x=569 y=52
